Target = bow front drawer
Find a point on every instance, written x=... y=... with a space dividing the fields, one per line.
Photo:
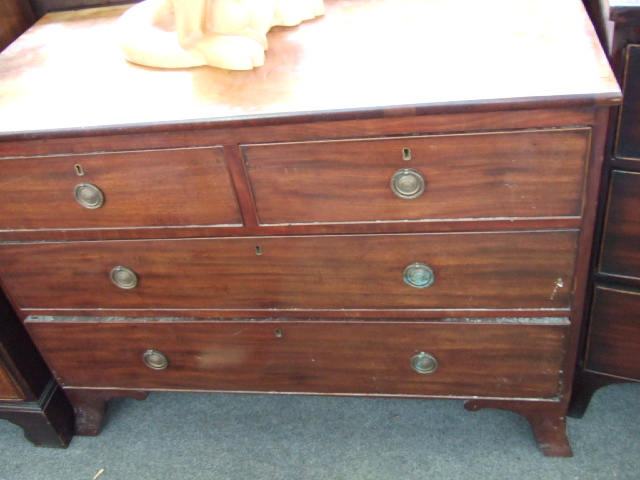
x=495 y=359
x=620 y=255
x=345 y=272
x=149 y=188
x=478 y=175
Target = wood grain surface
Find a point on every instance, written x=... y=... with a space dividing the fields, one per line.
x=380 y=57
x=523 y=270
x=147 y=188
x=478 y=359
x=484 y=175
x=8 y=389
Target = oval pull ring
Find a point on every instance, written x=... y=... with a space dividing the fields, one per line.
x=424 y=363
x=155 y=360
x=419 y=275
x=407 y=183
x=89 y=196
x=124 y=277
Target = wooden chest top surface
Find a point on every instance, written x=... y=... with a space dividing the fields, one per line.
x=364 y=58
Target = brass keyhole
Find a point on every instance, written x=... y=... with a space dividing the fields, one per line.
x=406 y=154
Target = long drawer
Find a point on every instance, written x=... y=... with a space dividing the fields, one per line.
x=187 y=186
x=490 y=270
x=495 y=359
x=483 y=175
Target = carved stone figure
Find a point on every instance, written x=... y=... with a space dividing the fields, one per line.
x=229 y=34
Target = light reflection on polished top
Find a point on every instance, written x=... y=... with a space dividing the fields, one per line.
x=68 y=71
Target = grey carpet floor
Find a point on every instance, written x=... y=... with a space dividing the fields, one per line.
x=179 y=436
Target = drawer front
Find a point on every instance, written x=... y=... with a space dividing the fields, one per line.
x=614 y=333
x=495 y=360
x=621 y=238
x=470 y=270
x=139 y=189
x=515 y=174
x=628 y=138
x=8 y=389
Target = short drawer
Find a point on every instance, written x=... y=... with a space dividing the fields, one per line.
x=614 y=333
x=620 y=254
x=485 y=175
x=491 y=270
x=520 y=359
x=147 y=188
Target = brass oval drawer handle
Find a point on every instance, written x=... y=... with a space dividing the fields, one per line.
x=124 y=277
x=419 y=275
x=155 y=360
x=407 y=183
x=89 y=196
x=424 y=363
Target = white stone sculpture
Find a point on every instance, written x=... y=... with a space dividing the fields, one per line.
x=229 y=34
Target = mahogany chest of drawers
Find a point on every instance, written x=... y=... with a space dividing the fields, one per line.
x=370 y=213
x=611 y=346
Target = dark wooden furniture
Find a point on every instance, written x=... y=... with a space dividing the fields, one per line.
x=611 y=350
x=15 y=17
x=41 y=7
x=29 y=395
x=364 y=215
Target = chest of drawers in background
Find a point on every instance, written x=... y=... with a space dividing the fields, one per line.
x=15 y=17
x=29 y=395
x=611 y=347
x=372 y=217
